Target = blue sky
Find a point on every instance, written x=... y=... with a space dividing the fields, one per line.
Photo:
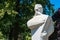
x=56 y=3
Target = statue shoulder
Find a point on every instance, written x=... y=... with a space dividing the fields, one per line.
x=45 y=15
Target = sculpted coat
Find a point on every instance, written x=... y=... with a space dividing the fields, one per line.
x=41 y=25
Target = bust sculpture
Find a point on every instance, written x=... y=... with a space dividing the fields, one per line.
x=41 y=25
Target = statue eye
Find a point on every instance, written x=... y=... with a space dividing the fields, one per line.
x=36 y=9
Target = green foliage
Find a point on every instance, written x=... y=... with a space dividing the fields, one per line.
x=7 y=15
x=1 y=35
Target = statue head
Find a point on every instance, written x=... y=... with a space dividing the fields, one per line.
x=38 y=9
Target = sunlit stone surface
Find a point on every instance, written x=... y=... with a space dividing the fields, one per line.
x=41 y=25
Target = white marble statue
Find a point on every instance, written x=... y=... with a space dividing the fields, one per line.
x=41 y=25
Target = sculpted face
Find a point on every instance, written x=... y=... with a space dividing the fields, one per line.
x=38 y=9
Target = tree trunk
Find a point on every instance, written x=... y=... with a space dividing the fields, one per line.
x=15 y=30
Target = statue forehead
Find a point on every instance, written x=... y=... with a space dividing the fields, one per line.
x=37 y=6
